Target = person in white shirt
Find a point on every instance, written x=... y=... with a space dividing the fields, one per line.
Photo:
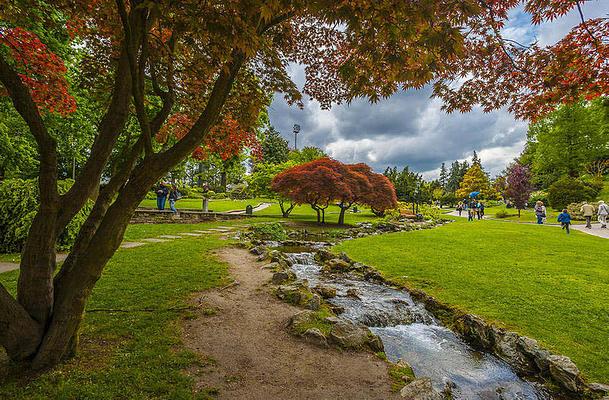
x=603 y=213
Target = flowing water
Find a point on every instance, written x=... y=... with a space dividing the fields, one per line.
x=409 y=332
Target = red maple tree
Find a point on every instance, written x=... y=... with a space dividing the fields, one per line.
x=322 y=182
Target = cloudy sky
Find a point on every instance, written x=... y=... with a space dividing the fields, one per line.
x=410 y=128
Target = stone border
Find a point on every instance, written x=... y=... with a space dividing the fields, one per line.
x=152 y=216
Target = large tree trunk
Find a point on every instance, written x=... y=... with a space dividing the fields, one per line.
x=341 y=216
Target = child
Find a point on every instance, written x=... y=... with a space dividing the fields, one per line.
x=565 y=219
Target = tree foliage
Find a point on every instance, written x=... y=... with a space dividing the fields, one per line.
x=321 y=182
x=568 y=140
x=475 y=180
x=275 y=149
x=518 y=185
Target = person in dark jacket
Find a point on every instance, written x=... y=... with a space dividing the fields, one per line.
x=174 y=196
x=565 y=220
x=161 y=196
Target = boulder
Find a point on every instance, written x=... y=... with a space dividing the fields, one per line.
x=352 y=293
x=271 y=266
x=351 y=336
x=420 y=389
x=507 y=346
x=324 y=255
x=283 y=276
x=294 y=294
x=599 y=388
x=314 y=302
x=375 y=343
x=336 y=264
x=316 y=337
x=327 y=292
x=539 y=355
x=300 y=318
x=565 y=372
x=258 y=250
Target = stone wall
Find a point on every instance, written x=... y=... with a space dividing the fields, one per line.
x=151 y=216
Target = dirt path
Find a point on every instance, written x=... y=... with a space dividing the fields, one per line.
x=255 y=357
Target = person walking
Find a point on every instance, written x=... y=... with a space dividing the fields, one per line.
x=459 y=208
x=603 y=214
x=161 y=196
x=565 y=220
x=540 y=212
x=588 y=211
x=174 y=196
x=470 y=214
x=482 y=210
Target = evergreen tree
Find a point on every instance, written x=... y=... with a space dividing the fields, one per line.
x=443 y=176
x=275 y=149
x=454 y=177
x=476 y=160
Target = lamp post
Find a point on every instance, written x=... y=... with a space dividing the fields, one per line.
x=296 y=130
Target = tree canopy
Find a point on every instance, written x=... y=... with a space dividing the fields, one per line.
x=321 y=182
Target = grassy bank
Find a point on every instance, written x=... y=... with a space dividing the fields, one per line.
x=535 y=280
x=130 y=353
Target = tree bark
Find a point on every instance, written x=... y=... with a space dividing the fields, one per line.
x=19 y=334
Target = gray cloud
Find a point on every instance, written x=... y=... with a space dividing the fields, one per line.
x=410 y=128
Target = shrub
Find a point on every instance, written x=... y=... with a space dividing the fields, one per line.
x=502 y=214
x=569 y=190
x=272 y=231
x=151 y=195
x=540 y=195
x=239 y=192
x=19 y=202
x=216 y=196
x=575 y=210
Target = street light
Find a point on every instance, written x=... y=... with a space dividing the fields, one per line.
x=296 y=130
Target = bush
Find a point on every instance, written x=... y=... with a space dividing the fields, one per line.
x=19 y=202
x=216 y=196
x=239 y=192
x=575 y=210
x=151 y=195
x=502 y=214
x=540 y=195
x=272 y=231
x=569 y=190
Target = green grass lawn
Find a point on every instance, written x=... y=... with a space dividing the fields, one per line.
x=134 y=354
x=535 y=280
x=527 y=215
x=300 y=213
x=10 y=257
x=220 y=205
x=306 y=213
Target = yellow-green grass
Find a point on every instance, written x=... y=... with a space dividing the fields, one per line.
x=533 y=279
x=219 y=205
x=10 y=257
x=132 y=353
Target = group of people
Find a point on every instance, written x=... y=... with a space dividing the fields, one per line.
x=474 y=209
x=586 y=209
x=163 y=192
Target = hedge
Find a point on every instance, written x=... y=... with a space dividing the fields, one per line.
x=568 y=190
x=19 y=200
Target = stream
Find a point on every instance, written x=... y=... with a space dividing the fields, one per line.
x=409 y=332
